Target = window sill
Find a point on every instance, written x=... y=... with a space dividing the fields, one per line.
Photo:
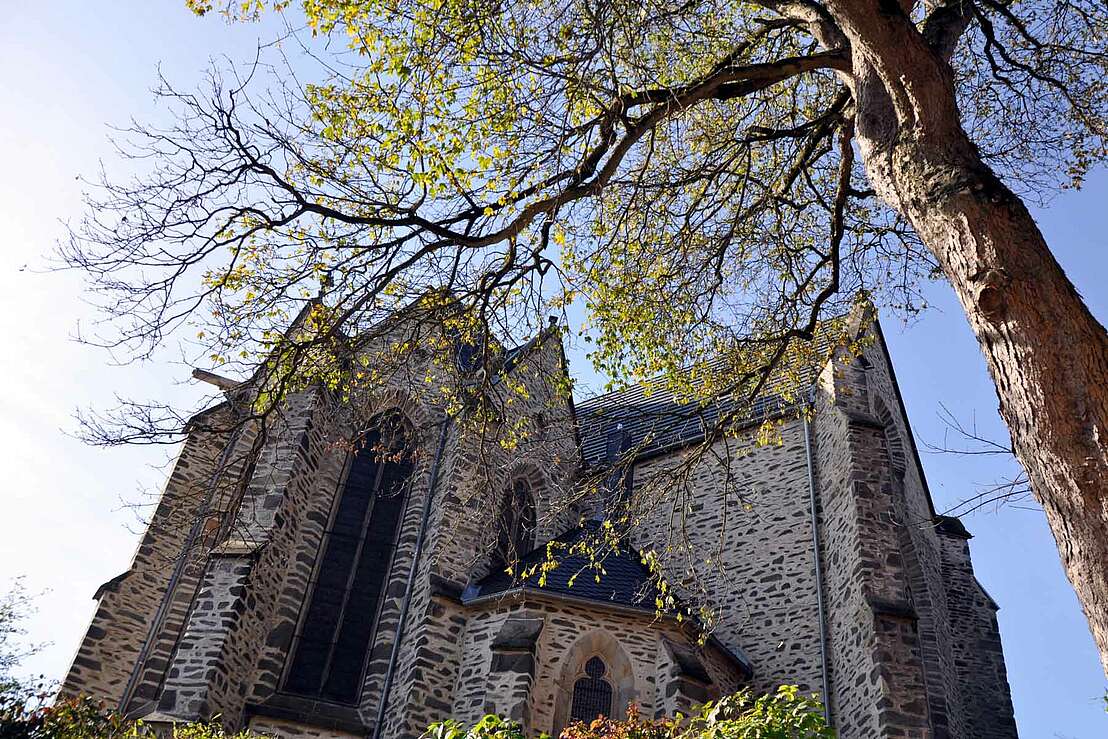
x=317 y=712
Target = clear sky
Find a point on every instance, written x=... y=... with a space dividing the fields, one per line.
x=69 y=67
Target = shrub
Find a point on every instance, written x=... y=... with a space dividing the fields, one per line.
x=30 y=714
x=786 y=714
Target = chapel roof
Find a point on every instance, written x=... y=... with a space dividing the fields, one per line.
x=652 y=422
x=651 y=419
x=625 y=580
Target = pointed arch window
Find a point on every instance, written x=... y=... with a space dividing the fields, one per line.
x=516 y=528
x=592 y=693
x=330 y=651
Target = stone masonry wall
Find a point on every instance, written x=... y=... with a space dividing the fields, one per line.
x=630 y=643
x=227 y=643
x=216 y=652
x=748 y=512
x=251 y=624
x=982 y=679
x=955 y=702
x=478 y=473
x=127 y=606
x=285 y=516
x=919 y=544
x=914 y=647
x=225 y=490
x=854 y=692
x=895 y=648
x=264 y=726
x=878 y=668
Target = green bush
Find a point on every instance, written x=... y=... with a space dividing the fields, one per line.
x=785 y=714
x=28 y=714
x=31 y=714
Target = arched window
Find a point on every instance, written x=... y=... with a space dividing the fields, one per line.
x=592 y=693
x=333 y=642
x=595 y=678
x=516 y=528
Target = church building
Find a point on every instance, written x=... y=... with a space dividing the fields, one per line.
x=372 y=564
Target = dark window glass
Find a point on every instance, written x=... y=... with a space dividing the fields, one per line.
x=331 y=649
x=592 y=694
x=516 y=534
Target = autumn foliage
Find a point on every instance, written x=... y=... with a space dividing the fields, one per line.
x=786 y=714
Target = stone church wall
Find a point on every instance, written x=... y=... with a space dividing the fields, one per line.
x=463 y=527
x=265 y=726
x=961 y=702
x=631 y=643
x=895 y=646
x=919 y=544
x=289 y=559
x=914 y=646
x=215 y=657
x=875 y=669
x=981 y=677
x=747 y=512
x=853 y=694
x=128 y=604
x=227 y=488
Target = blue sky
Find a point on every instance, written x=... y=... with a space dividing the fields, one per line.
x=69 y=67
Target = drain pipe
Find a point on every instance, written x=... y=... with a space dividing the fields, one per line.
x=817 y=556
x=383 y=706
x=179 y=568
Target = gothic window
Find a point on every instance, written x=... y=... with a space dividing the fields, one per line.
x=330 y=651
x=595 y=679
x=516 y=528
x=592 y=693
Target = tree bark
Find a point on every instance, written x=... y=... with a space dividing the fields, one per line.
x=1046 y=353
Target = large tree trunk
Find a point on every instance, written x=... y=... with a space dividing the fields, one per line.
x=1046 y=353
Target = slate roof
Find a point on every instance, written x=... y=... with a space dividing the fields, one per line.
x=625 y=581
x=651 y=420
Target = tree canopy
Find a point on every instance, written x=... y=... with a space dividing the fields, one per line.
x=684 y=171
x=707 y=181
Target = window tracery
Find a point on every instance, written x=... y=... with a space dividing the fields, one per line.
x=516 y=527
x=592 y=693
x=333 y=641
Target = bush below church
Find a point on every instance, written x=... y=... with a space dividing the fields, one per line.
x=784 y=715
x=32 y=713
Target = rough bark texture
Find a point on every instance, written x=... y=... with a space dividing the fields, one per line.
x=1046 y=353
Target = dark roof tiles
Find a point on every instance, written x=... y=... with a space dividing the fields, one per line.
x=624 y=581
x=652 y=419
